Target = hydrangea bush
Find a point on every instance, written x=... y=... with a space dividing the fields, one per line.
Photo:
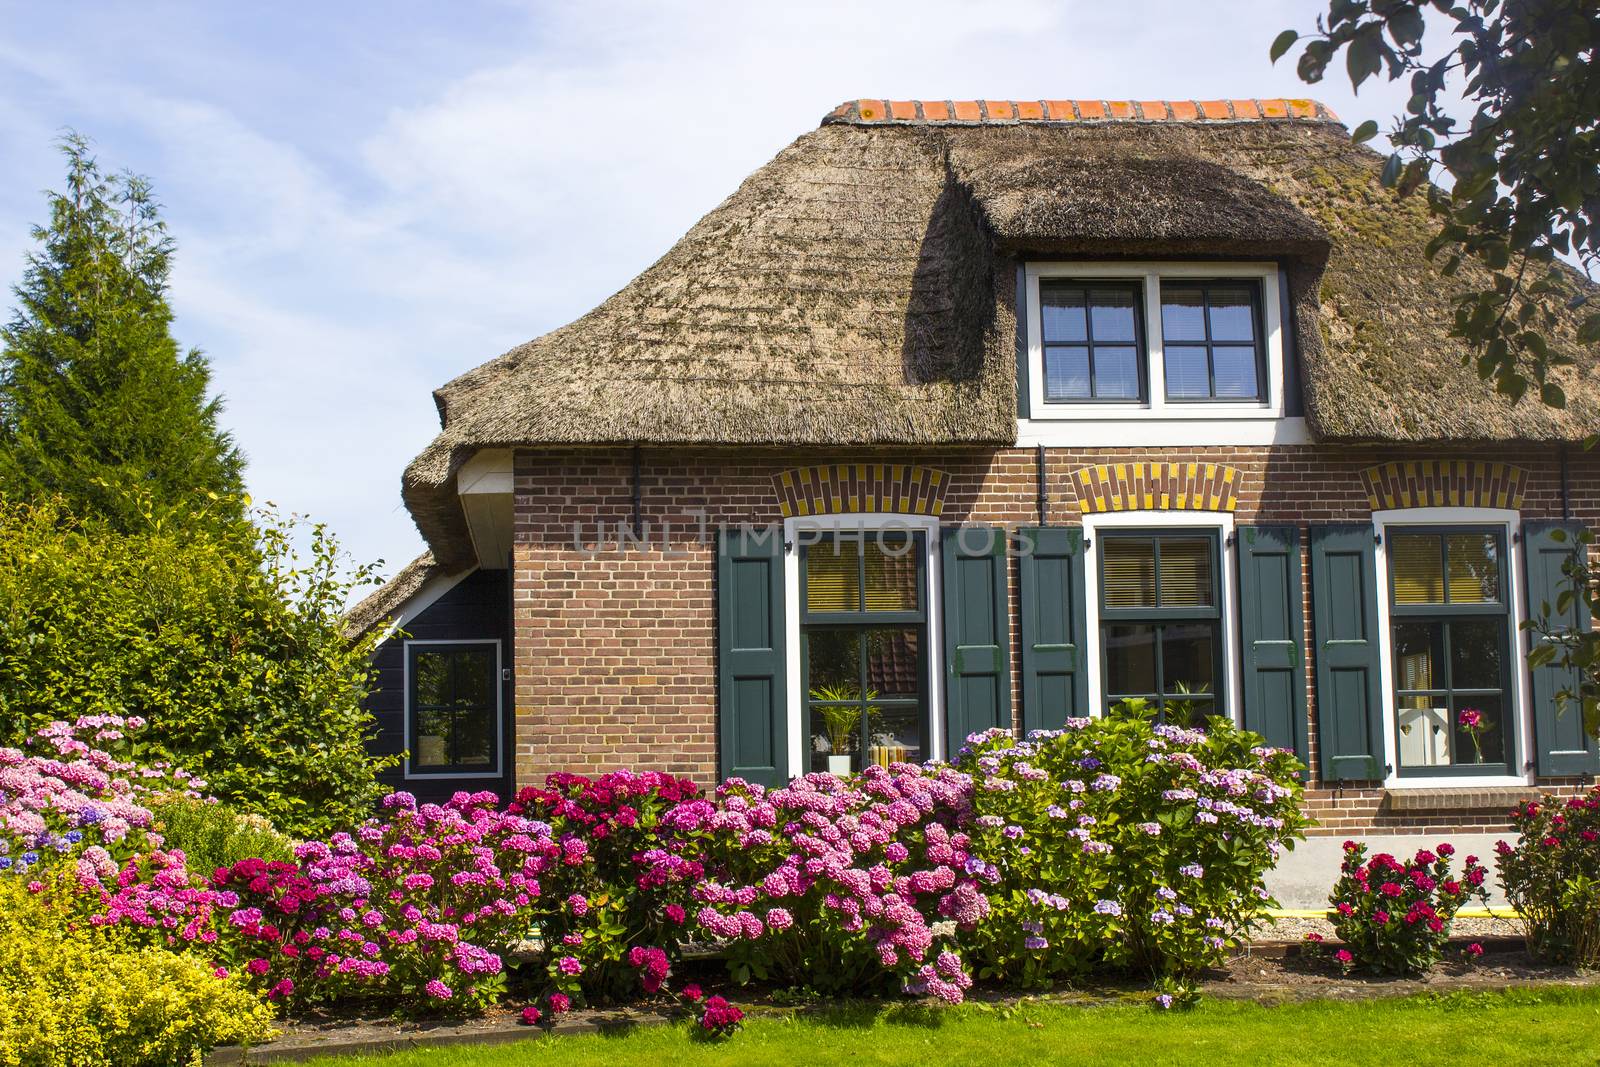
x=1552 y=876
x=831 y=883
x=611 y=918
x=1124 y=842
x=415 y=906
x=77 y=790
x=1395 y=917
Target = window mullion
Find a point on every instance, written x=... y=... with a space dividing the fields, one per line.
x=1160 y=631
x=1088 y=340
x=1155 y=377
x=861 y=705
x=1211 y=350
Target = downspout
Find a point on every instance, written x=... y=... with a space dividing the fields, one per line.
x=638 y=499
x=1044 y=492
x=1566 y=496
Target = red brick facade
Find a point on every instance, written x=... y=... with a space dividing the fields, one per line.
x=615 y=650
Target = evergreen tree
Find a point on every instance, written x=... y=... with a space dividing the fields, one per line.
x=98 y=405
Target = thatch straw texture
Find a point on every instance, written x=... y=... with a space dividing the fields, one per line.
x=859 y=290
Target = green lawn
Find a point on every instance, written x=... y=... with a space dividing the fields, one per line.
x=1547 y=1026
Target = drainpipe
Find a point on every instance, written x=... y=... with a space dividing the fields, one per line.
x=1566 y=497
x=638 y=502
x=1044 y=492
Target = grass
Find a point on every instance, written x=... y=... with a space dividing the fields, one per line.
x=1516 y=1026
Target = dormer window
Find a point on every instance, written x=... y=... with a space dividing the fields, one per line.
x=1181 y=342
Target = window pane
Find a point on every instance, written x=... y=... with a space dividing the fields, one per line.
x=430 y=675
x=1063 y=313
x=1111 y=314
x=1480 y=718
x=1474 y=568
x=473 y=737
x=1116 y=373
x=1236 y=371
x=1424 y=732
x=1188 y=376
x=1418 y=564
x=891 y=564
x=472 y=673
x=1476 y=651
x=432 y=739
x=834 y=672
x=1188 y=657
x=1418 y=650
x=895 y=735
x=1130 y=660
x=833 y=580
x=1183 y=314
x=1066 y=374
x=1232 y=314
x=1129 y=569
x=892 y=660
x=1186 y=572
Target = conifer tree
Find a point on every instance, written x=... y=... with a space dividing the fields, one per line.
x=98 y=404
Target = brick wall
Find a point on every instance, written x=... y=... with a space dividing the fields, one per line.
x=616 y=656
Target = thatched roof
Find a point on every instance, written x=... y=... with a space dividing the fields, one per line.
x=858 y=289
x=383 y=603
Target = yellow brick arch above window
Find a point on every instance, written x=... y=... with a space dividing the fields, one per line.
x=1444 y=483
x=1157 y=486
x=845 y=488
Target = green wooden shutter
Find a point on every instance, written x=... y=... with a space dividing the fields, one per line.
x=1564 y=746
x=1055 y=683
x=1344 y=594
x=1272 y=630
x=752 y=689
x=977 y=632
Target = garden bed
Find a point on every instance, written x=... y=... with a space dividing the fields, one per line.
x=1269 y=973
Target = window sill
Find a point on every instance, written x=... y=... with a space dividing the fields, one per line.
x=1459 y=798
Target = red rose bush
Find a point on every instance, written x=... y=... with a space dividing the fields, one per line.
x=1394 y=917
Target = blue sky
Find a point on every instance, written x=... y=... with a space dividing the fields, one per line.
x=370 y=198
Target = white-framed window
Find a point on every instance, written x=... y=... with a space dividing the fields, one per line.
x=453 y=709
x=863 y=641
x=1161 y=610
x=1195 y=350
x=1456 y=694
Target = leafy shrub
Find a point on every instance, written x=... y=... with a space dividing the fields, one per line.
x=600 y=907
x=211 y=834
x=225 y=642
x=1395 y=917
x=74 y=994
x=409 y=909
x=1121 y=842
x=1552 y=876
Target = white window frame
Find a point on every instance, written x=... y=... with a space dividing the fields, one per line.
x=499 y=710
x=865 y=522
x=1520 y=697
x=1219 y=521
x=1162 y=422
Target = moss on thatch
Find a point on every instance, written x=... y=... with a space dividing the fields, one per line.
x=859 y=289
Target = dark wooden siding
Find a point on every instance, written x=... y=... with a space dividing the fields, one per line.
x=478 y=608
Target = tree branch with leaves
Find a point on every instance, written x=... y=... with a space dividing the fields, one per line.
x=1517 y=186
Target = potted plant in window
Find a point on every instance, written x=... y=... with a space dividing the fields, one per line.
x=1474 y=724
x=841 y=723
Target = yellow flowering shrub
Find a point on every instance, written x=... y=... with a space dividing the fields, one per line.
x=74 y=995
